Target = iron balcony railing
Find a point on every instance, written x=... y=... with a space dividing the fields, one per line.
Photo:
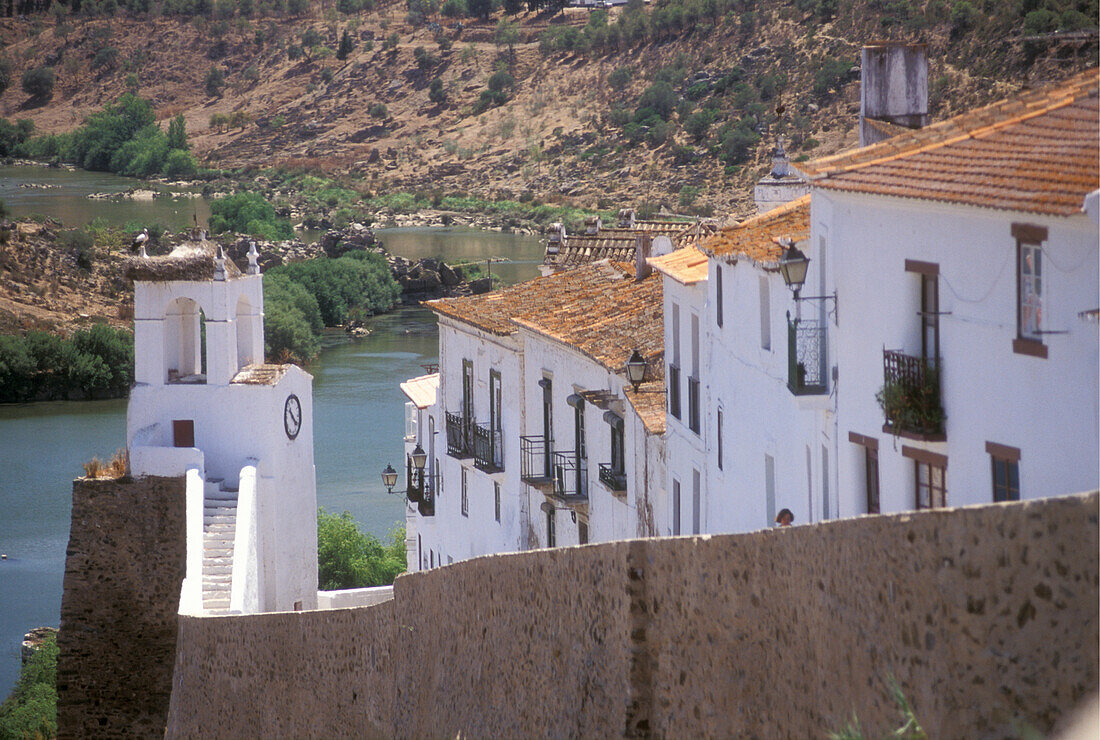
x=419 y=488
x=570 y=476
x=910 y=395
x=427 y=506
x=674 y=390
x=612 y=478
x=488 y=449
x=535 y=461
x=458 y=436
x=805 y=357
x=693 y=404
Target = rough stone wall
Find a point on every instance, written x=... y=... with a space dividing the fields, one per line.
x=986 y=617
x=123 y=571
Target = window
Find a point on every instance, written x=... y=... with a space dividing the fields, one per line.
x=693 y=380
x=496 y=501
x=1006 y=471
x=578 y=430
x=696 y=503
x=765 y=314
x=675 y=507
x=467 y=403
x=465 y=495
x=931 y=477
x=1030 y=289
x=930 y=316
x=718 y=434
x=618 y=451
x=769 y=489
x=718 y=294
x=674 y=366
x=551 y=534
x=582 y=532
x=870 y=469
x=495 y=403
x=547 y=425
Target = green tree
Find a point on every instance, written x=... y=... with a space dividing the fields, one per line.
x=104 y=132
x=479 y=8
x=311 y=39
x=5 y=73
x=506 y=34
x=214 y=82
x=39 y=82
x=349 y=558
x=17 y=369
x=177 y=133
x=248 y=213
x=436 y=93
x=180 y=163
x=31 y=709
x=346 y=46
x=292 y=321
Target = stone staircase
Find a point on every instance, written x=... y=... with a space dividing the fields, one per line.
x=219 y=525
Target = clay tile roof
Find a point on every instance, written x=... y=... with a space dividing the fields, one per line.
x=757 y=238
x=493 y=312
x=687 y=265
x=188 y=261
x=618 y=244
x=606 y=323
x=1036 y=152
x=422 y=390
x=260 y=374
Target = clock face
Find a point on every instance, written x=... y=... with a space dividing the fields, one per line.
x=292 y=416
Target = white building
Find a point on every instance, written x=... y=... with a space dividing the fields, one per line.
x=945 y=278
x=205 y=407
x=964 y=261
x=504 y=475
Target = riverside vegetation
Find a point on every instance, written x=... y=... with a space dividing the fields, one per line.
x=350 y=558
x=31 y=709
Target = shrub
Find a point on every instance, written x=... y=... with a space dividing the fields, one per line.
x=390 y=42
x=5 y=74
x=349 y=558
x=292 y=320
x=620 y=78
x=31 y=710
x=177 y=133
x=963 y=17
x=355 y=283
x=659 y=98
x=436 y=93
x=105 y=58
x=214 y=82
x=180 y=163
x=39 y=82
x=830 y=75
x=346 y=46
x=248 y=213
x=378 y=110
x=293 y=52
x=425 y=60
x=106 y=131
x=454 y=8
x=326 y=76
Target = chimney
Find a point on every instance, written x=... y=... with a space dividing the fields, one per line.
x=592 y=225
x=555 y=237
x=782 y=185
x=642 y=249
x=893 y=87
x=781 y=166
x=626 y=218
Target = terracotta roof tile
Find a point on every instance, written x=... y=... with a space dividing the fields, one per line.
x=757 y=238
x=1036 y=152
x=687 y=266
x=618 y=244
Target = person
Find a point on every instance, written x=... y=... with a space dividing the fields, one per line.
x=784 y=517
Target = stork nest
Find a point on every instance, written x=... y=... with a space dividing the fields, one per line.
x=188 y=261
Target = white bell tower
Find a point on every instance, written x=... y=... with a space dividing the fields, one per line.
x=205 y=406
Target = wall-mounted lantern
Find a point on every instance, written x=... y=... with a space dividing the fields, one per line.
x=635 y=369
x=389 y=478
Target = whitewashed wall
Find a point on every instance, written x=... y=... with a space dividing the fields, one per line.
x=1048 y=408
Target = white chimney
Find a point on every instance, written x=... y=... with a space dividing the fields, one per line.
x=893 y=87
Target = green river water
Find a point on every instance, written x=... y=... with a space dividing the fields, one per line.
x=358 y=406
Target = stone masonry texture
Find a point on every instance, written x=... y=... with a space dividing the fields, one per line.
x=986 y=617
x=123 y=571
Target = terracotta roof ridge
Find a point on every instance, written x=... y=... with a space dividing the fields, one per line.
x=1036 y=103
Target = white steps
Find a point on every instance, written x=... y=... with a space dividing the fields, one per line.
x=219 y=526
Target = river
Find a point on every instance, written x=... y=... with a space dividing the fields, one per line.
x=358 y=406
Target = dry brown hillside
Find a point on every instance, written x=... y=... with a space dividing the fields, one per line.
x=556 y=138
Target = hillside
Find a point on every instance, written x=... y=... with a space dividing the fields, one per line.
x=679 y=111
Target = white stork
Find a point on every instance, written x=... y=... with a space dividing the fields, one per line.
x=139 y=241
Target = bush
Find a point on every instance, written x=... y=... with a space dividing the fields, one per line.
x=106 y=58
x=357 y=283
x=454 y=8
x=620 y=78
x=180 y=163
x=436 y=93
x=659 y=98
x=963 y=17
x=31 y=710
x=378 y=110
x=12 y=135
x=346 y=46
x=292 y=321
x=38 y=82
x=98 y=361
x=349 y=558
x=248 y=213
x=830 y=75
x=214 y=82
x=105 y=132
x=5 y=74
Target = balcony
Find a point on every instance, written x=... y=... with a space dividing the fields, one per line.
x=612 y=478
x=570 y=477
x=693 y=404
x=910 y=396
x=535 y=465
x=458 y=436
x=674 y=390
x=419 y=488
x=806 y=357
x=427 y=506
x=488 y=449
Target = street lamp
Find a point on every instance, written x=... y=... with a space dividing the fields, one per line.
x=418 y=457
x=635 y=369
x=792 y=266
x=389 y=478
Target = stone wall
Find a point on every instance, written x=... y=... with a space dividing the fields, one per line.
x=986 y=617
x=123 y=570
